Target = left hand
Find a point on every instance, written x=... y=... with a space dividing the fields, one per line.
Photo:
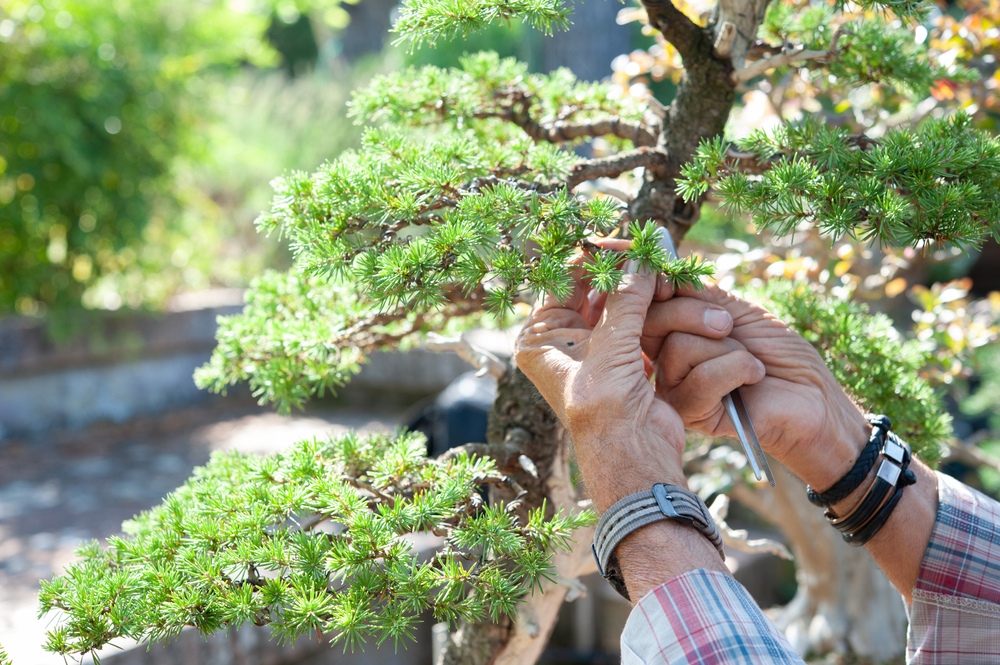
x=627 y=438
x=802 y=416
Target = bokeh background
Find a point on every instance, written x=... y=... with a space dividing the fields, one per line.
x=137 y=142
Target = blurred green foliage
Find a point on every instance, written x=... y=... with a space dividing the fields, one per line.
x=132 y=145
x=95 y=102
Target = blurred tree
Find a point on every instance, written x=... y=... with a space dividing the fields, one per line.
x=98 y=102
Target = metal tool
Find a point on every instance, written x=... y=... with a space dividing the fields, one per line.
x=733 y=402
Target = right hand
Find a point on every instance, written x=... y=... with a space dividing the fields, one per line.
x=800 y=413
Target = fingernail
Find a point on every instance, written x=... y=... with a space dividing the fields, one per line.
x=761 y=365
x=717 y=319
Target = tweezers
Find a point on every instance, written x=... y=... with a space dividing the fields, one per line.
x=733 y=403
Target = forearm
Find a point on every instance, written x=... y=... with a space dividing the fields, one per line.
x=899 y=546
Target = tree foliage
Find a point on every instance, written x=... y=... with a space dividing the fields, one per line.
x=464 y=203
x=937 y=183
x=311 y=540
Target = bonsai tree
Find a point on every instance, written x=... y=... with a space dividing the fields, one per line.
x=468 y=199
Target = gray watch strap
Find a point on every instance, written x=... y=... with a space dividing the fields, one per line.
x=637 y=510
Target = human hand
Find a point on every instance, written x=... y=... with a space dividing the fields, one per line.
x=626 y=437
x=801 y=415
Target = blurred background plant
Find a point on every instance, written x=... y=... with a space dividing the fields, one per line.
x=138 y=140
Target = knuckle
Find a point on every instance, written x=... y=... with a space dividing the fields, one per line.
x=678 y=344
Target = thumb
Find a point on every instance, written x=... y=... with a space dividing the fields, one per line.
x=625 y=312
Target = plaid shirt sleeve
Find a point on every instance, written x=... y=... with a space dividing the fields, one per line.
x=706 y=618
x=955 y=617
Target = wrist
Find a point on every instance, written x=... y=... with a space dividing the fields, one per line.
x=612 y=468
x=661 y=551
x=828 y=459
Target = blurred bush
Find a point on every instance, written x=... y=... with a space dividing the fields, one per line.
x=94 y=106
x=258 y=125
x=135 y=140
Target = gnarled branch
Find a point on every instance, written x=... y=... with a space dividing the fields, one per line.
x=655 y=159
x=684 y=34
x=561 y=132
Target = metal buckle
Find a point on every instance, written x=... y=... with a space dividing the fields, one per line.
x=664 y=501
x=889 y=472
x=599 y=568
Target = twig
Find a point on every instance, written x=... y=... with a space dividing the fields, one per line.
x=738 y=538
x=362 y=485
x=655 y=159
x=484 y=361
x=470 y=449
x=796 y=55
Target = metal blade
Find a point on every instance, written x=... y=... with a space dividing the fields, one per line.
x=741 y=410
x=734 y=416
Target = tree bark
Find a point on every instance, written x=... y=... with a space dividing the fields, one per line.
x=698 y=111
x=522 y=424
x=844 y=603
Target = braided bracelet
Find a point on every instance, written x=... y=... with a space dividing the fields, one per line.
x=663 y=502
x=853 y=478
x=873 y=510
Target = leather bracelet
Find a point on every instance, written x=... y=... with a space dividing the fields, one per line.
x=637 y=510
x=874 y=509
x=862 y=466
x=867 y=532
x=864 y=510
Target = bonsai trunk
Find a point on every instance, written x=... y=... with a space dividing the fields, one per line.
x=521 y=424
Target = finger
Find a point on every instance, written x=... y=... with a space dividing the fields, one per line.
x=700 y=394
x=664 y=289
x=613 y=244
x=682 y=314
x=682 y=352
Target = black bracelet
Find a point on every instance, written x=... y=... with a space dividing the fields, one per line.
x=873 y=511
x=862 y=467
x=885 y=481
x=867 y=532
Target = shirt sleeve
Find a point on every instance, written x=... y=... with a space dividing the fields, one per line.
x=702 y=617
x=955 y=617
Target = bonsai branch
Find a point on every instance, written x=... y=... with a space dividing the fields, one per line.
x=515 y=108
x=684 y=34
x=561 y=132
x=655 y=159
x=788 y=57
